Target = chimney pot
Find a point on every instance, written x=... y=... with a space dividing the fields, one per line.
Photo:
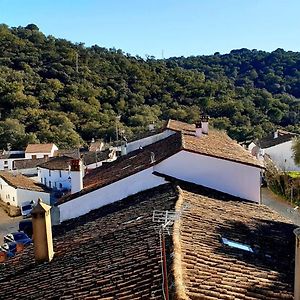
x=198 y=132
x=204 y=122
x=76 y=176
x=42 y=232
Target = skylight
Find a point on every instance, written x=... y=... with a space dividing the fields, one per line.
x=237 y=245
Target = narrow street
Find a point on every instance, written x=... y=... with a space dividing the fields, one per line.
x=7 y=224
x=281 y=206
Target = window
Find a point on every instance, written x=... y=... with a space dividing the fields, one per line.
x=6 y=162
x=237 y=245
x=33 y=156
x=60 y=186
x=50 y=184
x=5 y=167
x=13 y=198
x=41 y=180
x=49 y=173
x=59 y=173
x=45 y=181
x=1 y=186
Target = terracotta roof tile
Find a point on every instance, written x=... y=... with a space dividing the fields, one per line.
x=39 y=148
x=127 y=165
x=218 y=144
x=57 y=163
x=22 y=182
x=28 y=163
x=110 y=253
x=205 y=268
x=180 y=126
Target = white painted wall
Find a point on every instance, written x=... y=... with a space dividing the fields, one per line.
x=131 y=146
x=222 y=175
x=7 y=164
x=42 y=154
x=28 y=195
x=282 y=156
x=55 y=178
x=116 y=191
x=8 y=193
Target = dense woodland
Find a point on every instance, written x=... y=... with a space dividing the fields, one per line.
x=52 y=90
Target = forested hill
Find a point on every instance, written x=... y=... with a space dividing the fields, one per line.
x=52 y=90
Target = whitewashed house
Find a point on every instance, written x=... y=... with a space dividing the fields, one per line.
x=55 y=173
x=34 y=151
x=8 y=159
x=16 y=189
x=194 y=155
x=278 y=146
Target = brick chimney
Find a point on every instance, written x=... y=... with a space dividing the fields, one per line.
x=204 y=123
x=76 y=176
x=42 y=232
x=198 y=132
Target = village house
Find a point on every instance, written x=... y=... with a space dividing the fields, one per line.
x=15 y=189
x=175 y=241
x=9 y=158
x=29 y=167
x=278 y=147
x=34 y=151
x=194 y=155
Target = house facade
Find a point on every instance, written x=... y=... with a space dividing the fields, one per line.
x=16 y=189
x=212 y=160
x=34 y=151
x=278 y=146
x=8 y=159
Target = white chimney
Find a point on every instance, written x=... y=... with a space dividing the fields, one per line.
x=297 y=265
x=204 y=124
x=198 y=129
x=76 y=176
x=276 y=134
x=124 y=149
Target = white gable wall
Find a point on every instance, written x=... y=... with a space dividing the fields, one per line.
x=282 y=156
x=29 y=195
x=8 y=193
x=108 y=194
x=219 y=174
x=134 y=145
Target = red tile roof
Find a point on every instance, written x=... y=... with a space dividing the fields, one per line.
x=127 y=165
x=22 y=182
x=39 y=148
x=114 y=252
x=205 y=268
x=181 y=126
x=110 y=253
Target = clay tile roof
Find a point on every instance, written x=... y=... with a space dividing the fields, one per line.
x=270 y=141
x=39 y=148
x=93 y=157
x=205 y=268
x=57 y=163
x=28 y=163
x=110 y=253
x=218 y=144
x=180 y=126
x=127 y=165
x=22 y=182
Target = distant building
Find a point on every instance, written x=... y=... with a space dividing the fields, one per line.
x=8 y=159
x=278 y=146
x=34 y=151
x=16 y=189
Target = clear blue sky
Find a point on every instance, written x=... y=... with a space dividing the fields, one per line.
x=176 y=27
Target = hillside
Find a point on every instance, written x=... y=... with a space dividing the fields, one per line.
x=52 y=90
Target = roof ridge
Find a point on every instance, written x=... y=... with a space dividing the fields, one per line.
x=180 y=291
